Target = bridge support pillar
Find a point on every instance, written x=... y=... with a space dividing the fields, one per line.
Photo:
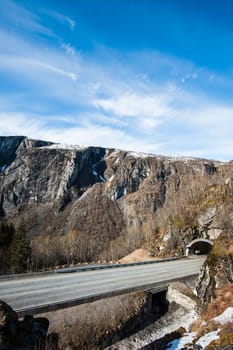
x=187 y=251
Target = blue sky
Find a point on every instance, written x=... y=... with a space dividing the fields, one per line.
x=144 y=75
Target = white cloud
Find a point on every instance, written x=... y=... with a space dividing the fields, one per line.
x=39 y=69
x=69 y=49
x=22 y=18
x=135 y=104
x=32 y=67
x=86 y=135
x=61 y=18
x=48 y=67
x=19 y=124
x=71 y=22
x=95 y=135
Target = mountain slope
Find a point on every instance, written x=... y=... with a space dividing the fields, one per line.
x=92 y=203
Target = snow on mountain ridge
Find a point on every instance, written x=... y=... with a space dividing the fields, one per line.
x=65 y=146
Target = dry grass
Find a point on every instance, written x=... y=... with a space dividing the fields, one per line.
x=205 y=322
x=223 y=247
x=137 y=255
x=95 y=325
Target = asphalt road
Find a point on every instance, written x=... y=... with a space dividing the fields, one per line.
x=34 y=293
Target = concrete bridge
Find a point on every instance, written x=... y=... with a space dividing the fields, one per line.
x=39 y=294
x=199 y=246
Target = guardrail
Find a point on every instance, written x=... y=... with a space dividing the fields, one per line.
x=100 y=267
x=85 y=268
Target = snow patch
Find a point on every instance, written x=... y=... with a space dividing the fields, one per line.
x=225 y=317
x=185 y=159
x=188 y=338
x=65 y=146
x=142 y=338
x=3 y=167
x=111 y=178
x=139 y=155
x=206 y=339
x=96 y=174
x=166 y=237
x=178 y=344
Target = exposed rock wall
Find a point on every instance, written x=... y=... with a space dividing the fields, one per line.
x=107 y=196
x=216 y=272
x=8 y=147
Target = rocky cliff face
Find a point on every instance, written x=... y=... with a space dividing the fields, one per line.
x=106 y=202
x=217 y=271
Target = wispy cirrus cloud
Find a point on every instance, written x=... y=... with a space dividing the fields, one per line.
x=144 y=101
x=28 y=66
x=87 y=134
x=19 y=124
x=69 y=49
x=48 y=67
x=46 y=71
x=14 y=15
x=61 y=18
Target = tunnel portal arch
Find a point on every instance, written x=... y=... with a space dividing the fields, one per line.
x=199 y=246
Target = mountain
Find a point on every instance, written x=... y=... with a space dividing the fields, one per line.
x=91 y=203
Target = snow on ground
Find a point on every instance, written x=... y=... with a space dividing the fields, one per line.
x=65 y=146
x=167 y=324
x=178 y=344
x=206 y=339
x=101 y=178
x=111 y=178
x=2 y=168
x=140 y=155
x=185 y=159
x=188 y=338
x=116 y=151
x=98 y=175
x=169 y=157
x=225 y=317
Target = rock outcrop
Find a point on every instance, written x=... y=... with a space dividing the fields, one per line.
x=30 y=333
x=217 y=270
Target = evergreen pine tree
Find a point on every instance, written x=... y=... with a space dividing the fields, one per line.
x=21 y=250
x=7 y=233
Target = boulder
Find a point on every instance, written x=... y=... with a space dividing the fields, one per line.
x=27 y=334
x=8 y=326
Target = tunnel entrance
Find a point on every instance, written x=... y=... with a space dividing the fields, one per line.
x=199 y=246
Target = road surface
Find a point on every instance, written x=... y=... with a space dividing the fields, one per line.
x=44 y=293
